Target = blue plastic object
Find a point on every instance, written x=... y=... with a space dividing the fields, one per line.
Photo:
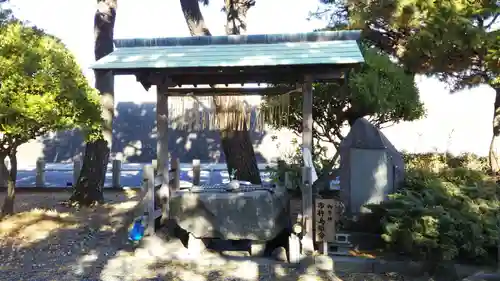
x=136 y=230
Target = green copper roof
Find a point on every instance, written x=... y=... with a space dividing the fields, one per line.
x=333 y=47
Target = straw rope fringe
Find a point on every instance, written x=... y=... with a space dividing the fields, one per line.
x=193 y=113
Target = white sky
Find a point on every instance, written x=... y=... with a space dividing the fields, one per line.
x=465 y=116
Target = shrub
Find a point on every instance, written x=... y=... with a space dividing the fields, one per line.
x=448 y=214
x=293 y=161
x=438 y=161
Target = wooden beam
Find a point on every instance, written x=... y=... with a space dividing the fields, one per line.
x=158 y=73
x=236 y=75
x=149 y=78
x=247 y=78
x=233 y=91
x=318 y=77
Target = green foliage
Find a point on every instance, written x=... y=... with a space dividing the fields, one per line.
x=383 y=91
x=294 y=162
x=448 y=213
x=42 y=87
x=379 y=90
x=492 y=59
x=455 y=39
x=438 y=161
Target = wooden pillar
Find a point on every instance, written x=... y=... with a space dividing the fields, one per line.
x=281 y=169
x=196 y=172
x=162 y=129
x=175 y=166
x=77 y=167
x=307 y=118
x=148 y=189
x=116 y=172
x=307 y=142
x=162 y=148
x=40 y=172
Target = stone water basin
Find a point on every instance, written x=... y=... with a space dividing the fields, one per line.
x=250 y=212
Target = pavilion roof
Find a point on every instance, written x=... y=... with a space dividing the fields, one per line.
x=226 y=59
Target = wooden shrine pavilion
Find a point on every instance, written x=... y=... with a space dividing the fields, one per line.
x=172 y=64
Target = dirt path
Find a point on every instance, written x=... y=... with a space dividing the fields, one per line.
x=46 y=241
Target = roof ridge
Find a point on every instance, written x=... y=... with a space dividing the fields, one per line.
x=316 y=36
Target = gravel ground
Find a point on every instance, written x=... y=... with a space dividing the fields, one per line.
x=45 y=241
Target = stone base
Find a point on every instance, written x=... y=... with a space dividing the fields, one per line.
x=324 y=263
x=322 y=276
x=279 y=254
x=257 y=248
x=316 y=264
x=231 y=216
x=481 y=276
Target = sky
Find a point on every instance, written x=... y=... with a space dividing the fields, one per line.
x=151 y=18
x=458 y=123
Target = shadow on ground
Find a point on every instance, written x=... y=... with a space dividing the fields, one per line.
x=233 y=268
x=47 y=241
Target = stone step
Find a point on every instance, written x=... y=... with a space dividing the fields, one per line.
x=338 y=250
x=342 y=238
x=334 y=244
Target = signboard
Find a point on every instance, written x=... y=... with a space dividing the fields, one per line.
x=324 y=220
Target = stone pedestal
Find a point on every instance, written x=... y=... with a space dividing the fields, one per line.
x=481 y=276
x=316 y=264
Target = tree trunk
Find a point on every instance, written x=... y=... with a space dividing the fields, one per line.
x=4 y=173
x=324 y=177
x=236 y=15
x=194 y=18
x=495 y=139
x=235 y=137
x=91 y=179
x=8 y=204
x=240 y=156
x=90 y=184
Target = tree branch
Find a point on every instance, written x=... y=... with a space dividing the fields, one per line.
x=194 y=18
x=495 y=17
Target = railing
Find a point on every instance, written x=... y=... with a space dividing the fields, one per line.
x=41 y=168
x=42 y=174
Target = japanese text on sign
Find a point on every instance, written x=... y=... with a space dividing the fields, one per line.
x=325 y=220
